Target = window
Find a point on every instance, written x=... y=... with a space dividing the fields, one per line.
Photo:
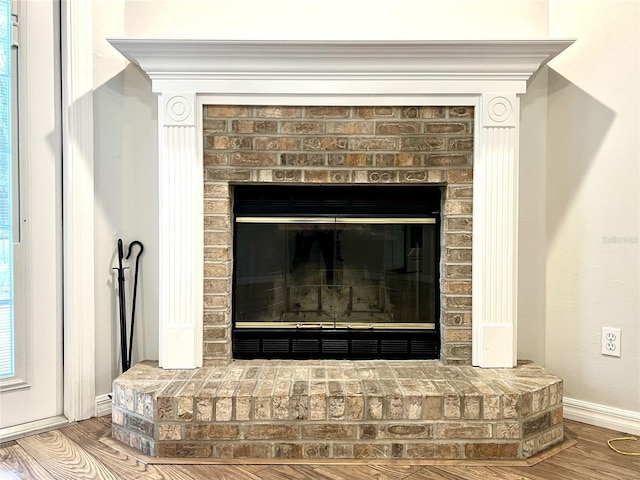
x=8 y=113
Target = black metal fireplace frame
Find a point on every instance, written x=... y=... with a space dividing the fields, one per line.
x=361 y=343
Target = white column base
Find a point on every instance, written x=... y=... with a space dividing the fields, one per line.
x=178 y=347
x=497 y=347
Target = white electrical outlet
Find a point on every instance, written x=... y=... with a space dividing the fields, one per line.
x=611 y=341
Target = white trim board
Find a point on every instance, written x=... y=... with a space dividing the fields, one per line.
x=103 y=405
x=78 y=214
x=32 y=428
x=612 y=418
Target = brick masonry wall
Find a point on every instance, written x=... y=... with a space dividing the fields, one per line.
x=339 y=145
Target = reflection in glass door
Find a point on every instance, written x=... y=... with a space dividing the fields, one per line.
x=335 y=272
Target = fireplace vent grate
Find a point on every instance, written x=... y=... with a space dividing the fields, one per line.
x=333 y=344
x=270 y=345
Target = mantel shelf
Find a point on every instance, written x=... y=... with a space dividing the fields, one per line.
x=181 y=60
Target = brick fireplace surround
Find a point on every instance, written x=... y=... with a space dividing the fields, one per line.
x=338 y=146
x=441 y=113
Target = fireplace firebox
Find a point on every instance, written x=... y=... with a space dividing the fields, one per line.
x=336 y=272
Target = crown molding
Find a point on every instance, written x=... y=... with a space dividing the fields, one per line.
x=194 y=64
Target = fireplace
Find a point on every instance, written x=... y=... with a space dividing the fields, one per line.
x=238 y=119
x=335 y=272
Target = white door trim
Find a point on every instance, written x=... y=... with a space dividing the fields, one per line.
x=78 y=214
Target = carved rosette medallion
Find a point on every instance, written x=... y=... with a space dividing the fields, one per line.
x=179 y=109
x=499 y=111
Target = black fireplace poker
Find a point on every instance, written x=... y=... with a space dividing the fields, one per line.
x=126 y=349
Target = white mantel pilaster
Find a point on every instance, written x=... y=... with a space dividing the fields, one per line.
x=486 y=74
x=495 y=231
x=180 y=232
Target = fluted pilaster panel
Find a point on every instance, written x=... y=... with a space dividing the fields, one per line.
x=180 y=235
x=78 y=210
x=495 y=236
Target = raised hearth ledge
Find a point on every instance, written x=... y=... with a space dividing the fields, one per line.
x=488 y=75
x=265 y=409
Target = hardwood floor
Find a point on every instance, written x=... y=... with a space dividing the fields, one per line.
x=76 y=452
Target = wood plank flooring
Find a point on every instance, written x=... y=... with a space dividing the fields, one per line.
x=76 y=452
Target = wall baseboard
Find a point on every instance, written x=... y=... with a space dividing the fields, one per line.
x=32 y=428
x=616 y=419
x=103 y=405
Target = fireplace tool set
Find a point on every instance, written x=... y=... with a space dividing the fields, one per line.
x=126 y=349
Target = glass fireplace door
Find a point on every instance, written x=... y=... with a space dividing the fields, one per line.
x=353 y=273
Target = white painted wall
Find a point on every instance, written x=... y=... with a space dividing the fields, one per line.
x=125 y=113
x=126 y=193
x=336 y=19
x=531 y=221
x=592 y=198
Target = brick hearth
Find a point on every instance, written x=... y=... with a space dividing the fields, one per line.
x=339 y=409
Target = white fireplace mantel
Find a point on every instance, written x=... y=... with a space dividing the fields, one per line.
x=488 y=75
